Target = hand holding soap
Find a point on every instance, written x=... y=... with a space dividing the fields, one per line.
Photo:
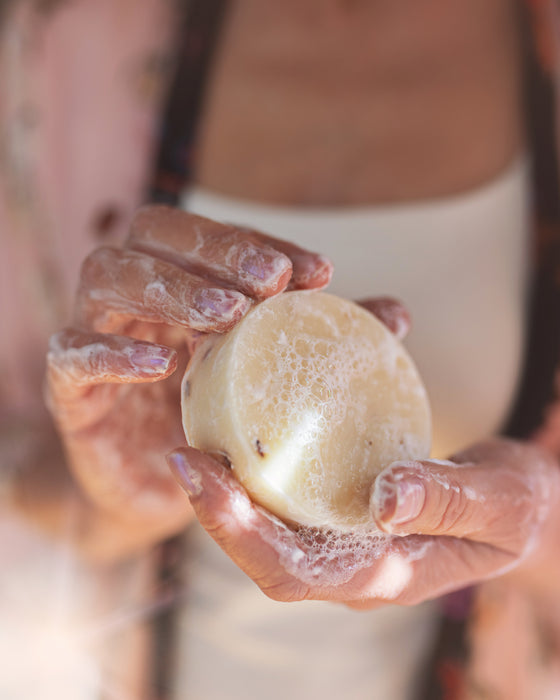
x=309 y=397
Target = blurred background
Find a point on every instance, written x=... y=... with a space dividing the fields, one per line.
x=83 y=86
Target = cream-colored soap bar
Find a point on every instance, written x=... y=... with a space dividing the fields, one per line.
x=309 y=397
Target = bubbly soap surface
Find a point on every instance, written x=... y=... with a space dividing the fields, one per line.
x=309 y=397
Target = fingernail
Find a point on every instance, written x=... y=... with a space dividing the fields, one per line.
x=323 y=270
x=397 y=502
x=264 y=264
x=214 y=301
x=149 y=359
x=410 y=499
x=311 y=271
x=186 y=476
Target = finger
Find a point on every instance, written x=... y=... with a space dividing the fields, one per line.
x=262 y=546
x=223 y=252
x=390 y=312
x=491 y=503
x=417 y=568
x=286 y=564
x=365 y=570
x=310 y=270
x=77 y=360
x=117 y=286
x=82 y=365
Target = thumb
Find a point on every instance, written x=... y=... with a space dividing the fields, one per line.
x=484 y=502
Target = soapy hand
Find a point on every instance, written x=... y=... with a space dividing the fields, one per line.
x=436 y=527
x=112 y=384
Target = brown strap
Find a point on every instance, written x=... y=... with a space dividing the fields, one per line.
x=536 y=390
x=199 y=30
x=200 y=24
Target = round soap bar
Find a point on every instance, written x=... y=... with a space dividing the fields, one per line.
x=309 y=397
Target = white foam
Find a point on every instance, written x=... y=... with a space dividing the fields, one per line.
x=320 y=403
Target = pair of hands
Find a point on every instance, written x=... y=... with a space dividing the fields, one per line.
x=113 y=387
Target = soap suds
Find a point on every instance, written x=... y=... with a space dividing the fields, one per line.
x=330 y=396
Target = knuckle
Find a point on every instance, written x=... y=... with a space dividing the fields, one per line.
x=454 y=511
x=215 y=527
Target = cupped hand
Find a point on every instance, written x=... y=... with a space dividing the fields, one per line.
x=436 y=527
x=112 y=384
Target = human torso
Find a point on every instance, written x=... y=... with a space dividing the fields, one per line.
x=333 y=102
x=342 y=114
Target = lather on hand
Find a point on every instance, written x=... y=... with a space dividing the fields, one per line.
x=448 y=524
x=112 y=379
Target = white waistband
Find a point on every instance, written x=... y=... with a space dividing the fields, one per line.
x=421 y=224
x=459 y=263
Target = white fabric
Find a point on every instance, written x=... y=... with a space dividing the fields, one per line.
x=459 y=264
x=236 y=644
x=461 y=267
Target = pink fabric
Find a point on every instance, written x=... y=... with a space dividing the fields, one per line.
x=78 y=122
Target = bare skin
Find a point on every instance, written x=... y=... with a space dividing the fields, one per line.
x=327 y=102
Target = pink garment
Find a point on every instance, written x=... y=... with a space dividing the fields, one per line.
x=78 y=122
x=82 y=86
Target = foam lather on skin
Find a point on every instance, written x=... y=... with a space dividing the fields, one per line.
x=309 y=397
